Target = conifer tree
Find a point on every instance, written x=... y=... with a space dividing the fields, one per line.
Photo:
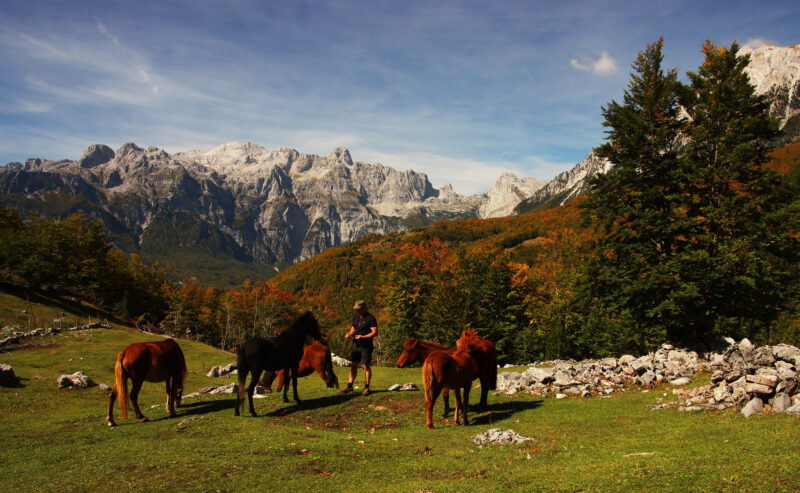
x=635 y=202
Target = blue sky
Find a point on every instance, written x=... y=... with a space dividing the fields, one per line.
x=462 y=91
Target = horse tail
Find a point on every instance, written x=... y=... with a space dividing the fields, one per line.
x=332 y=378
x=121 y=383
x=427 y=380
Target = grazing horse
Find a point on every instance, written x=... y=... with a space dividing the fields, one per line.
x=454 y=370
x=160 y=361
x=417 y=350
x=316 y=357
x=282 y=352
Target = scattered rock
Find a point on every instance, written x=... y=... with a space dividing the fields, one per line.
x=340 y=361
x=679 y=382
x=7 y=376
x=78 y=380
x=222 y=371
x=403 y=387
x=496 y=436
x=105 y=388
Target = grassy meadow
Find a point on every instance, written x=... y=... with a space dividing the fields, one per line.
x=57 y=440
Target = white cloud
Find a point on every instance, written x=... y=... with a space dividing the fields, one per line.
x=755 y=43
x=605 y=65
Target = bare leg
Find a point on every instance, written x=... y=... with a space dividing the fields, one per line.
x=367 y=374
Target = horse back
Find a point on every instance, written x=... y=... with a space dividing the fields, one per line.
x=154 y=361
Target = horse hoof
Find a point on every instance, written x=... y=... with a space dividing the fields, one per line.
x=143 y=419
x=111 y=424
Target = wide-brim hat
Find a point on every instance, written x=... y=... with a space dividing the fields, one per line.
x=359 y=304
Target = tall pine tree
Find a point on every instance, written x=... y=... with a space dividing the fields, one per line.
x=635 y=203
x=738 y=252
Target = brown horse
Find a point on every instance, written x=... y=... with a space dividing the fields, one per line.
x=160 y=361
x=417 y=350
x=316 y=357
x=454 y=370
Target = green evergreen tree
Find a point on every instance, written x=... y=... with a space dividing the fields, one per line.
x=738 y=256
x=635 y=203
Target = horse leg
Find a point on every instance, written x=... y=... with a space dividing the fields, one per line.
x=137 y=386
x=459 y=405
x=255 y=375
x=446 y=398
x=112 y=396
x=240 y=390
x=172 y=389
x=431 y=395
x=484 y=404
x=295 y=371
x=466 y=403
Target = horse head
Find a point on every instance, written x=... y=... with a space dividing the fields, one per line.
x=468 y=341
x=309 y=324
x=408 y=355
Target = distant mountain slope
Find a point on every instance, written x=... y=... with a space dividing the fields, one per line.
x=241 y=204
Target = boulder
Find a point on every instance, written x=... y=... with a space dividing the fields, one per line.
x=758 y=389
x=765 y=380
x=626 y=359
x=794 y=410
x=7 y=376
x=755 y=406
x=781 y=403
x=786 y=352
x=77 y=380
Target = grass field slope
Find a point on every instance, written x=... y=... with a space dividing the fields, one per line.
x=57 y=440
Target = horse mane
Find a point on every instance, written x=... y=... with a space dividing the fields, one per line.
x=434 y=345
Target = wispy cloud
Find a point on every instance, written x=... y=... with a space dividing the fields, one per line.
x=604 y=65
x=755 y=43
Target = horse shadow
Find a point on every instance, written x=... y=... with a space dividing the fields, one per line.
x=500 y=411
x=315 y=403
x=206 y=407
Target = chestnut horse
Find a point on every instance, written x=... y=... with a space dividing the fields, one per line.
x=417 y=350
x=454 y=370
x=316 y=357
x=282 y=352
x=160 y=361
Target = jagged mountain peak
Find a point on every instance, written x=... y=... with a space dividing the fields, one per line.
x=340 y=155
x=775 y=71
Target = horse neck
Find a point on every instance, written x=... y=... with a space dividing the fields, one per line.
x=430 y=346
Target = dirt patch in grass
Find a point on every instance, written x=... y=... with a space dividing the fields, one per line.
x=32 y=344
x=387 y=413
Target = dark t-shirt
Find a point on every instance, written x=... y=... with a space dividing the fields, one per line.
x=363 y=326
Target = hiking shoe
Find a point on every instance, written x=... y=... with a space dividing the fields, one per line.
x=346 y=390
x=366 y=392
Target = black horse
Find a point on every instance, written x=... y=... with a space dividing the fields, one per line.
x=282 y=352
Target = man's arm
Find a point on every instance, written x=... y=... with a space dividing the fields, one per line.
x=372 y=334
x=350 y=332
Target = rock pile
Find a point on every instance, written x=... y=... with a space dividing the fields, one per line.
x=7 y=376
x=223 y=371
x=17 y=337
x=605 y=376
x=496 y=436
x=77 y=380
x=750 y=379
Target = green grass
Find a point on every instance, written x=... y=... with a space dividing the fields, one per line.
x=57 y=439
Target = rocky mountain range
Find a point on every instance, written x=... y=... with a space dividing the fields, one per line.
x=242 y=200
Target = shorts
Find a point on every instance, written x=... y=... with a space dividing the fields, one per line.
x=361 y=355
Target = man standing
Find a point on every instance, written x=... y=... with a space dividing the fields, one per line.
x=363 y=331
